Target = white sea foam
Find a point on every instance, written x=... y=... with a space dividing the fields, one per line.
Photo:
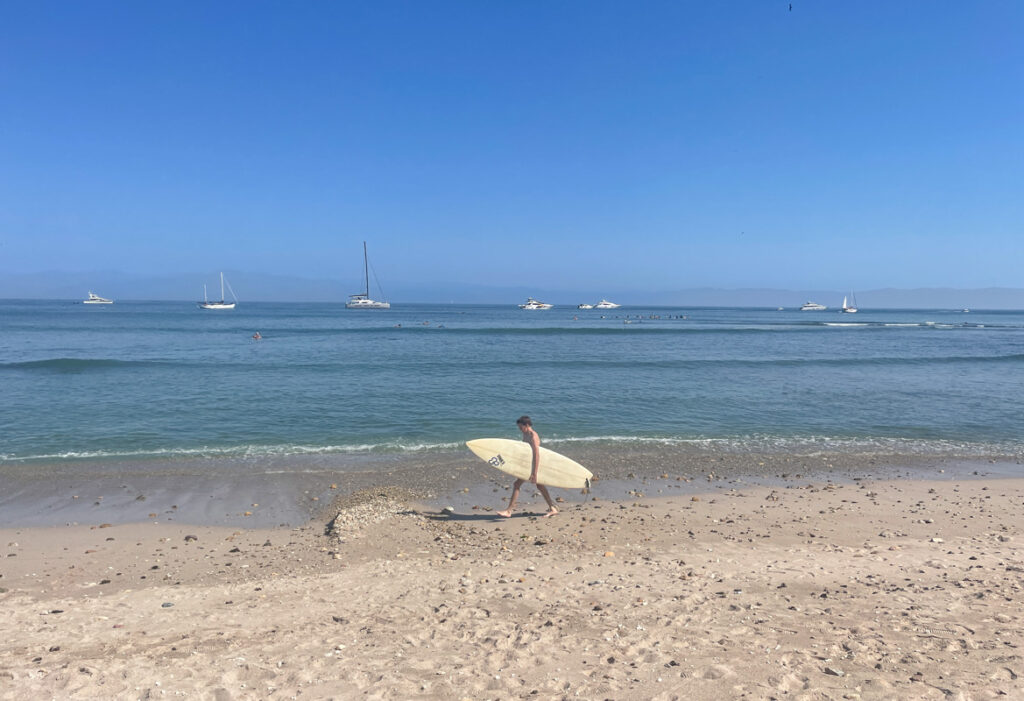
x=759 y=443
x=246 y=451
x=811 y=445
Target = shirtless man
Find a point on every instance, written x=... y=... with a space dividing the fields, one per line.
x=529 y=436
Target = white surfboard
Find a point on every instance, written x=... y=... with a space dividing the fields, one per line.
x=516 y=458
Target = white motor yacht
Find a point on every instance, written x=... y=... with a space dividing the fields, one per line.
x=584 y=306
x=813 y=307
x=605 y=304
x=96 y=299
x=531 y=303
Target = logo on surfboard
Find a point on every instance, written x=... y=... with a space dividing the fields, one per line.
x=496 y=461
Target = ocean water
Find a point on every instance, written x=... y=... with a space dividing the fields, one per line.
x=141 y=381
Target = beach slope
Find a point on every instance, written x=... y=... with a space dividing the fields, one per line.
x=876 y=589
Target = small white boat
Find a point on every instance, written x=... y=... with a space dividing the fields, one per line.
x=362 y=300
x=584 y=306
x=96 y=299
x=531 y=303
x=222 y=304
x=605 y=304
x=849 y=308
x=813 y=307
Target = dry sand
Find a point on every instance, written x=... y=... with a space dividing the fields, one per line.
x=872 y=589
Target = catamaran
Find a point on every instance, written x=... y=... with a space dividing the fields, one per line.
x=362 y=300
x=222 y=304
x=96 y=299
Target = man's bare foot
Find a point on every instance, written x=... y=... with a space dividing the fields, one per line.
x=551 y=512
x=506 y=513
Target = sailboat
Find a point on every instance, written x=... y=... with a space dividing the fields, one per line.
x=362 y=300
x=849 y=308
x=207 y=304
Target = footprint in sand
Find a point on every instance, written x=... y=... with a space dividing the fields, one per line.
x=716 y=671
x=791 y=682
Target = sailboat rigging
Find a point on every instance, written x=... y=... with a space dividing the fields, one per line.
x=850 y=308
x=362 y=300
x=222 y=304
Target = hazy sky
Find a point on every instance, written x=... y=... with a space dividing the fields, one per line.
x=597 y=145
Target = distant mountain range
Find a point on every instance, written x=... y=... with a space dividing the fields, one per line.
x=258 y=287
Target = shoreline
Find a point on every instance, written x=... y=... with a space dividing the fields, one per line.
x=291 y=491
x=873 y=588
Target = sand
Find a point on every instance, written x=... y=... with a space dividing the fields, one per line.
x=866 y=588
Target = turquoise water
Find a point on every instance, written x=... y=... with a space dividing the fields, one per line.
x=160 y=380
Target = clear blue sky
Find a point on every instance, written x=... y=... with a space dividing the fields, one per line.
x=591 y=145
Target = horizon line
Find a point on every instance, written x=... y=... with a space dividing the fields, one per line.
x=566 y=306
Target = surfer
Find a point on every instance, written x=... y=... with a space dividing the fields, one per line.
x=525 y=425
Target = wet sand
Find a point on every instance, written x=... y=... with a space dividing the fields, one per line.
x=702 y=584
x=288 y=491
